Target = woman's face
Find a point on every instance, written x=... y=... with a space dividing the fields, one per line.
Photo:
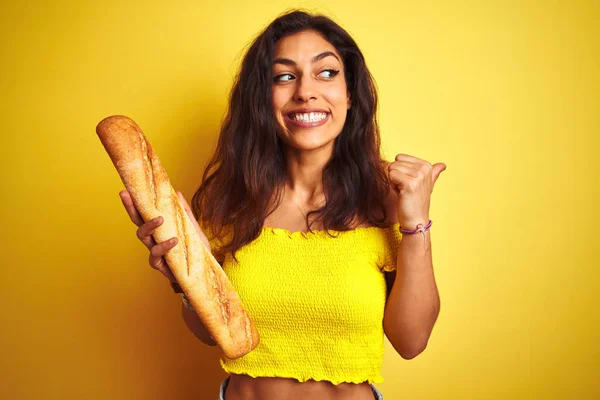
x=310 y=98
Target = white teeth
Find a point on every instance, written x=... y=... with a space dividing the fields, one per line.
x=310 y=117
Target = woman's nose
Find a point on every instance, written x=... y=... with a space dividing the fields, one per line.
x=305 y=90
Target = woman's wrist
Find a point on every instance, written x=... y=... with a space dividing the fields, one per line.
x=176 y=288
x=421 y=228
x=414 y=223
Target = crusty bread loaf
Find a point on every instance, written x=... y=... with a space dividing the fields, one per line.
x=198 y=273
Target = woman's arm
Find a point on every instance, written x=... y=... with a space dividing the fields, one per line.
x=413 y=304
x=195 y=325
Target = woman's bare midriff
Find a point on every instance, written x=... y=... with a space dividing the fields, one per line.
x=244 y=387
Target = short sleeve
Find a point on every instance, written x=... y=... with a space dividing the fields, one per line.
x=391 y=238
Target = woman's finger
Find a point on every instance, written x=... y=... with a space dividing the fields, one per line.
x=144 y=232
x=408 y=157
x=157 y=260
x=162 y=248
x=405 y=168
x=134 y=215
x=163 y=268
x=402 y=180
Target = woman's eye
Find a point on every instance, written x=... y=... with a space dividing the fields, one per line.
x=283 y=78
x=329 y=73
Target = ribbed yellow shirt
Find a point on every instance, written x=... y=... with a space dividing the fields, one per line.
x=317 y=302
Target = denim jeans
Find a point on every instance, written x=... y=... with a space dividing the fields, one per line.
x=376 y=393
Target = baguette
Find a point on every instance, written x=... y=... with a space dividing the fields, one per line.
x=196 y=270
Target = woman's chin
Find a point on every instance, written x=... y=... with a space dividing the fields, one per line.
x=308 y=145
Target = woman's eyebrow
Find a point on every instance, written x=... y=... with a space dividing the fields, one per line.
x=287 y=61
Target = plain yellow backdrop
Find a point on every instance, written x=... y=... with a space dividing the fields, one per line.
x=506 y=93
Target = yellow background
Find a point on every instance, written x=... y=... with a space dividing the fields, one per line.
x=507 y=94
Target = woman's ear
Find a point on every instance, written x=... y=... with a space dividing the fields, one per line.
x=349 y=101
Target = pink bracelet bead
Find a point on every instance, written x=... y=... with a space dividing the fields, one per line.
x=420 y=228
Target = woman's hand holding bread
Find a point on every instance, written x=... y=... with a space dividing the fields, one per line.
x=146 y=229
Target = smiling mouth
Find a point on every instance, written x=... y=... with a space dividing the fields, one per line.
x=307 y=120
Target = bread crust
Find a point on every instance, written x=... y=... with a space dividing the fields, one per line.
x=196 y=270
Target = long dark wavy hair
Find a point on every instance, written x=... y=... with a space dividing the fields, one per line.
x=247 y=170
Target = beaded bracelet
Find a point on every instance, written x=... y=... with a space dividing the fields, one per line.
x=420 y=229
x=186 y=302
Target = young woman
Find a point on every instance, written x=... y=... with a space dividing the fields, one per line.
x=309 y=222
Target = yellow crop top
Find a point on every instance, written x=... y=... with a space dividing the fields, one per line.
x=317 y=302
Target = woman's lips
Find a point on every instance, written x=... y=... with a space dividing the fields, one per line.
x=306 y=124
